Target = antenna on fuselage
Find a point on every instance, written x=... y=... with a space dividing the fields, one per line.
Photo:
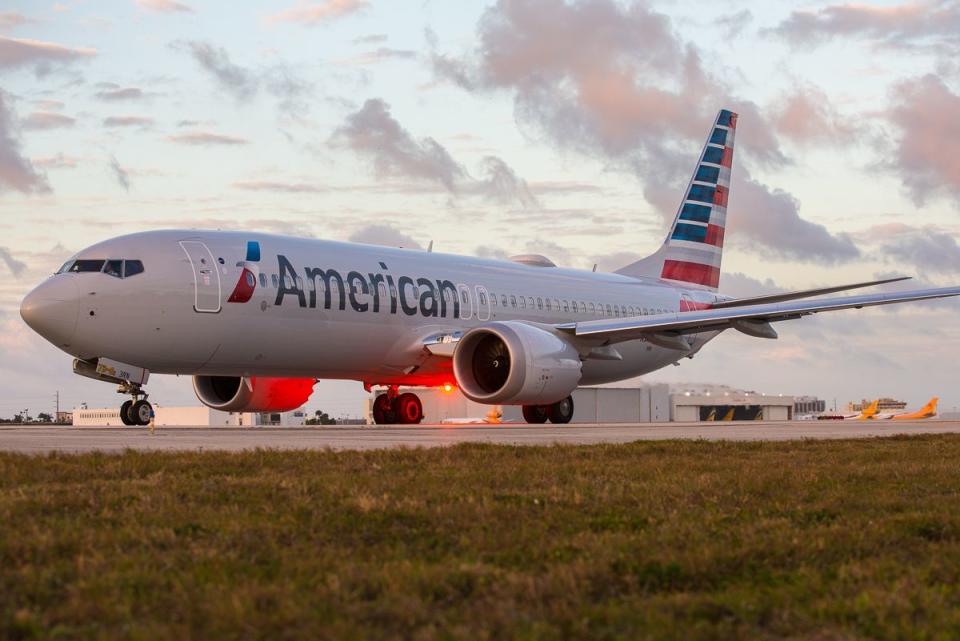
x=594 y=267
x=430 y=247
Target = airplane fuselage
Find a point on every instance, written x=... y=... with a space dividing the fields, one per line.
x=323 y=309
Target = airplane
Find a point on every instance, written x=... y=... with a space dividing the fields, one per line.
x=256 y=319
x=867 y=413
x=927 y=411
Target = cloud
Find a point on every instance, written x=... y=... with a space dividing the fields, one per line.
x=372 y=39
x=164 y=6
x=771 y=218
x=127 y=121
x=43 y=56
x=278 y=80
x=121 y=175
x=377 y=56
x=15 y=266
x=206 y=138
x=12 y=19
x=381 y=234
x=892 y=26
x=318 y=12
x=59 y=161
x=288 y=188
x=925 y=114
x=501 y=184
x=115 y=94
x=372 y=132
x=929 y=248
x=47 y=120
x=643 y=109
x=733 y=24
x=806 y=116
x=237 y=80
x=16 y=171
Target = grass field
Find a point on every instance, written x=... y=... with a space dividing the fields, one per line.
x=672 y=540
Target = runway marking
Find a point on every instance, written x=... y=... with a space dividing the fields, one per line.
x=37 y=440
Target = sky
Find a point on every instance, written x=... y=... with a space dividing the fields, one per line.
x=561 y=127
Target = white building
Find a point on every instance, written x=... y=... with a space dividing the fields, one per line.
x=200 y=416
x=609 y=404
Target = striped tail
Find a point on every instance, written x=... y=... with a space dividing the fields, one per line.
x=692 y=252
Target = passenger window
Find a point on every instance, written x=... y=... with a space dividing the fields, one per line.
x=273 y=279
x=566 y=307
x=263 y=280
x=87 y=266
x=539 y=303
x=493 y=299
x=463 y=296
x=523 y=303
x=513 y=301
x=503 y=299
x=483 y=298
x=592 y=309
x=609 y=311
x=616 y=311
x=547 y=303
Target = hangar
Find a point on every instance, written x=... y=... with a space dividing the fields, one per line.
x=654 y=403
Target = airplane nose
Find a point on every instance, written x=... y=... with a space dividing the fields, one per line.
x=51 y=310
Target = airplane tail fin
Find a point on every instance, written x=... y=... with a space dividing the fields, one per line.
x=930 y=408
x=871 y=410
x=692 y=250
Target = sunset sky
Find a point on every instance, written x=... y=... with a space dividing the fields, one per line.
x=561 y=127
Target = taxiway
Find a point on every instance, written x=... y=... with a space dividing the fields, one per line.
x=37 y=440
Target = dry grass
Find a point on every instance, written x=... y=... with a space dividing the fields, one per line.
x=674 y=540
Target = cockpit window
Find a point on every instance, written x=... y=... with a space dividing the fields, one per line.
x=132 y=268
x=87 y=266
x=114 y=268
x=66 y=267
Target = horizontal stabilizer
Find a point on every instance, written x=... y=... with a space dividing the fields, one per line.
x=806 y=293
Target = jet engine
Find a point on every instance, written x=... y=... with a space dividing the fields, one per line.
x=512 y=363
x=252 y=393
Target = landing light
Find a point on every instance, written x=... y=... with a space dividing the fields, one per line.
x=447 y=388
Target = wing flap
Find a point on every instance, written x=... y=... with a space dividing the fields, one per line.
x=624 y=329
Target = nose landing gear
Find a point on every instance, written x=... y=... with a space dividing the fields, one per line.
x=391 y=407
x=136 y=411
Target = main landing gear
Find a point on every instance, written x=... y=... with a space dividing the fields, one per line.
x=391 y=407
x=559 y=412
x=136 y=411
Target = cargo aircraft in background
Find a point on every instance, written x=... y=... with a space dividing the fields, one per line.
x=927 y=411
x=256 y=319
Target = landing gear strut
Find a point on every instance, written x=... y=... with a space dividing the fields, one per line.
x=392 y=407
x=560 y=412
x=136 y=411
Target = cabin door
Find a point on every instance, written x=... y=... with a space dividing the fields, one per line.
x=206 y=276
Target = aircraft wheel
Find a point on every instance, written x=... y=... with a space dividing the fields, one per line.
x=141 y=411
x=408 y=408
x=381 y=405
x=562 y=411
x=125 y=413
x=536 y=413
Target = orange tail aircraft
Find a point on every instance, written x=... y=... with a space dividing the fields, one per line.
x=927 y=411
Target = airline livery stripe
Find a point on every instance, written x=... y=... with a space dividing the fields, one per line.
x=691 y=273
x=701 y=193
x=719 y=137
x=685 y=231
x=697 y=213
x=691 y=252
x=707 y=174
x=714 y=235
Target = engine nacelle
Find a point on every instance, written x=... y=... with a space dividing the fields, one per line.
x=511 y=363
x=252 y=393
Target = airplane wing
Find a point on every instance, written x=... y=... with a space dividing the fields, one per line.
x=806 y=293
x=750 y=319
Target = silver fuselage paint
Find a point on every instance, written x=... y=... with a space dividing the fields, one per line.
x=151 y=319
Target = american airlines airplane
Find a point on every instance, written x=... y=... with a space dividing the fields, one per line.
x=256 y=319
